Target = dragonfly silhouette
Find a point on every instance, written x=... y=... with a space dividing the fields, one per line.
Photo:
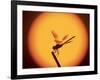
x=60 y=43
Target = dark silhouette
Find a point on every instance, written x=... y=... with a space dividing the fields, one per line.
x=59 y=44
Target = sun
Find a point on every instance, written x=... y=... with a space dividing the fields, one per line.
x=41 y=41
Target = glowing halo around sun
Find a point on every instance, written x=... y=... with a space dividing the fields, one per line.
x=40 y=39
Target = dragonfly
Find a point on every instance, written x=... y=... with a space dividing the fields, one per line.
x=60 y=43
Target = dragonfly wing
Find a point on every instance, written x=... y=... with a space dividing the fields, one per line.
x=65 y=37
x=54 y=34
x=56 y=37
x=69 y=40
x=58 y=41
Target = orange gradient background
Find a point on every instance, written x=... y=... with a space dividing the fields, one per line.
x=40 y=39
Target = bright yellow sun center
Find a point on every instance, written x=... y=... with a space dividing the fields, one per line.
x=41 y=41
